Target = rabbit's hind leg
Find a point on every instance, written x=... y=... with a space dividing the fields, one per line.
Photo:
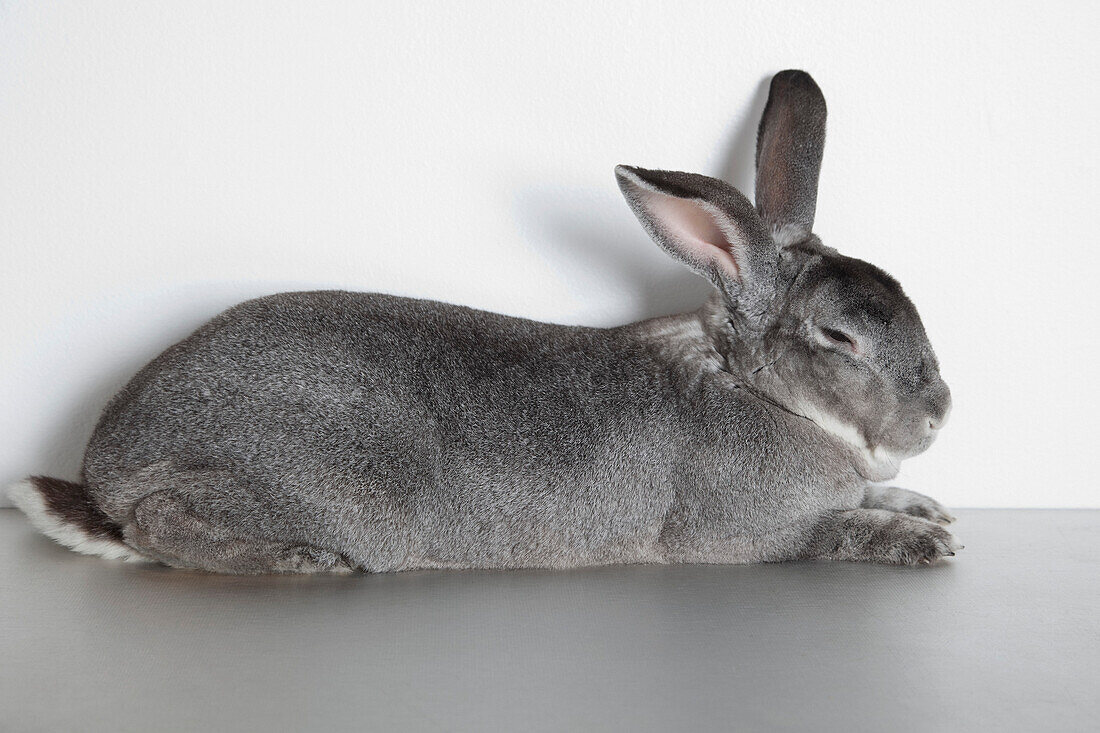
x=169 y=530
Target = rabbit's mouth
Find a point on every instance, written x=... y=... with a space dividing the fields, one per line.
x=925 y=443
x=914 y=449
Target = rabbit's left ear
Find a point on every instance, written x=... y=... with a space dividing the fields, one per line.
x=709 y=226
x=789 y=146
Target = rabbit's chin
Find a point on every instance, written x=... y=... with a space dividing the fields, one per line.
x=874 y=463
x=879 y=463
x=883 y=464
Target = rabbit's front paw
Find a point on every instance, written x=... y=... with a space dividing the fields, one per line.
x=878 y=535
x=916 y=542
x=894 y=499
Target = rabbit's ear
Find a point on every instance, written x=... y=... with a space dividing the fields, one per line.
x=789 y=146
x=708 y=225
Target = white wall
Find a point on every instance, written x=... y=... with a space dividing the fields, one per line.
x=160 y=161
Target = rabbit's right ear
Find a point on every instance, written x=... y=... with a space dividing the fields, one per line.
x=789 y=146
x=709 y=226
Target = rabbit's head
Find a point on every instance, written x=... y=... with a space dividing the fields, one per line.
x=831 y=338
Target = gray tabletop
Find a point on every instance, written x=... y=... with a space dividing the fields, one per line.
x=1006 y=636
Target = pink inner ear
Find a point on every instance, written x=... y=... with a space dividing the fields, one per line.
x=694 y=229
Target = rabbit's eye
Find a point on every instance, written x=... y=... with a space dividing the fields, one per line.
x=839 y=338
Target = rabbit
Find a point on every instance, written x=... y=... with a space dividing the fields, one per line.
x=335 y=432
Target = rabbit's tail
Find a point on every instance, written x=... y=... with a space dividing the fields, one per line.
x=64 y=512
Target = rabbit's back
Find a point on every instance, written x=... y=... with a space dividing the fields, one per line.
x=339 y=413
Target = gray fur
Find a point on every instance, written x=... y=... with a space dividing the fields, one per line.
x=329 y=431
x=907 y=502
x=789 y=147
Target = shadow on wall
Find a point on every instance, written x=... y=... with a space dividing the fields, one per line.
x=594 y=229
x=610 y=250
x=597 y=246
x=738 y=165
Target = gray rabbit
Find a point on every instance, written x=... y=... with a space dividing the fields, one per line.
x=336 y=431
